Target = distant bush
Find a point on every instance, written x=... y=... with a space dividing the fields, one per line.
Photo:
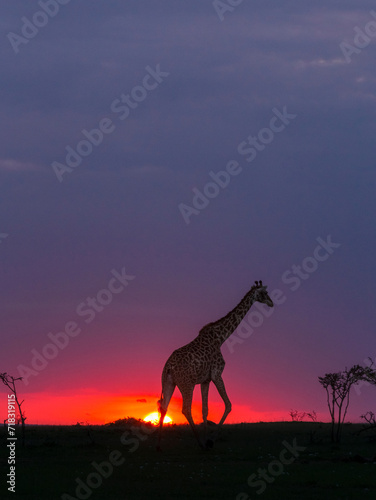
x=299 y=416
x=370 y=419
x=129 y=422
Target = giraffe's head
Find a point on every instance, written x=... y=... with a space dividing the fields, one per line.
x=261 y=295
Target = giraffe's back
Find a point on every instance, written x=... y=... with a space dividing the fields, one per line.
x=194 y=363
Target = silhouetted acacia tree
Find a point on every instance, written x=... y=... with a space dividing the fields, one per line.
x=338 y=387
x=10 y=382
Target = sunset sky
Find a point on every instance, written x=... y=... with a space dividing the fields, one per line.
x=156 y=159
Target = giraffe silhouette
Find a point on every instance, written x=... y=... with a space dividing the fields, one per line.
x=201 y=362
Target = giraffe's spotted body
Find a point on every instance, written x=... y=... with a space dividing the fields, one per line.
x=201 y=361
x=194 y=369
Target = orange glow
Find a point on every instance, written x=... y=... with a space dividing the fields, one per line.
x=96 y=407
x=154 y=418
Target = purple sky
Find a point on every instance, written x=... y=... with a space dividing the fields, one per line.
x=218 y=83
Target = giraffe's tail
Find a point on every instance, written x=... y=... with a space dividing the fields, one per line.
x=159 y=402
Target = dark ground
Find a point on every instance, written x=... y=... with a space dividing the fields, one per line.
x=295 y=459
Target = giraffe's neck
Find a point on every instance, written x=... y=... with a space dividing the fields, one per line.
x=222 y=329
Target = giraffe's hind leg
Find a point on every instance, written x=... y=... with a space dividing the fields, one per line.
x=167 y=392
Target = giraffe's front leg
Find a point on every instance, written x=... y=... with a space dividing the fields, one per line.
x=220 y=385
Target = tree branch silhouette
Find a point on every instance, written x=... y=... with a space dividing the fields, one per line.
x=10 y=382
x=338 y=386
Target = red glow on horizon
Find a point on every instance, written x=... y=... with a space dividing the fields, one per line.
x=98 y=408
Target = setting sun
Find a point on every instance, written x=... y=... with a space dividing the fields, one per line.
x=154 y=418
